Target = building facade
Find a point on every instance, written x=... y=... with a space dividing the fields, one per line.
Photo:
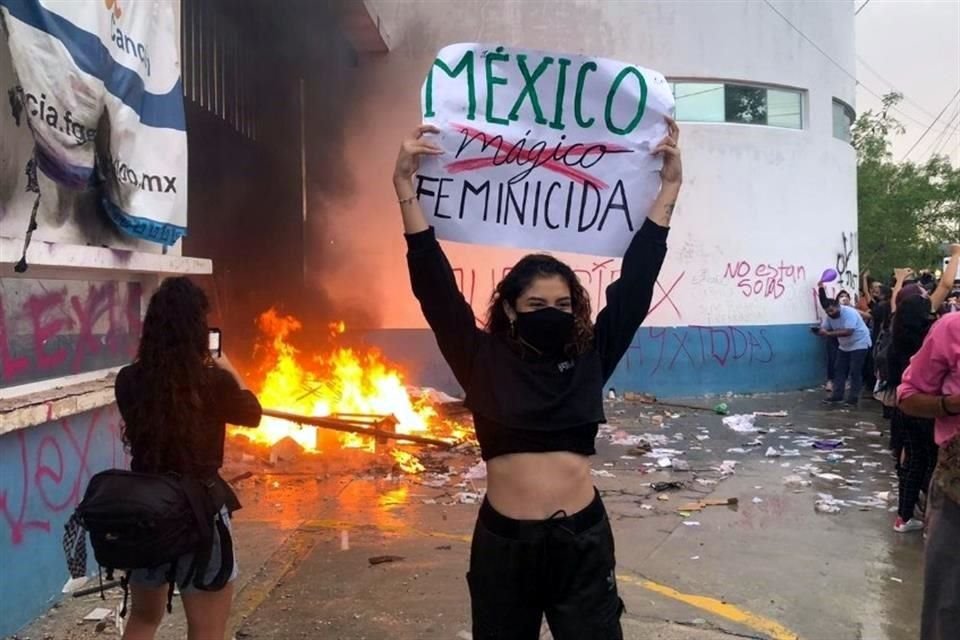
x=769 y=200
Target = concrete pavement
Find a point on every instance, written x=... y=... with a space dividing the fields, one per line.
x=771 y=567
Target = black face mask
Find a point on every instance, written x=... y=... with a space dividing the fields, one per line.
x=547 y=330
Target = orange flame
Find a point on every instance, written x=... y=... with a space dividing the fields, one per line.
x=341 y=382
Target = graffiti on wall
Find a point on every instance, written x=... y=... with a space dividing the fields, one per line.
x=54 y=328
x=46 y=470
x=764 y=279
x=845 y=259
x=478 y=285
x=661 y=350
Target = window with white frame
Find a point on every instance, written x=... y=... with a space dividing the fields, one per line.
x=738 y=103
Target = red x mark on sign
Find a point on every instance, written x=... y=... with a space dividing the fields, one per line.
x=516 y=153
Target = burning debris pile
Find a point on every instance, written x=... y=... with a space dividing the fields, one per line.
x=323 y=404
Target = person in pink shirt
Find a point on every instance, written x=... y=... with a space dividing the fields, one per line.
x=931 y=389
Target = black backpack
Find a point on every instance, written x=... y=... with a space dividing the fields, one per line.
x=146 y=520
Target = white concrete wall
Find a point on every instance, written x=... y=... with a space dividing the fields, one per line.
x=753 y=193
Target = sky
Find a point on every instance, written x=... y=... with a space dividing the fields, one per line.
x=914 y=45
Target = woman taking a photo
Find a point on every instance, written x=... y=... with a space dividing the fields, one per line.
x=175 y=400
x=534 y=381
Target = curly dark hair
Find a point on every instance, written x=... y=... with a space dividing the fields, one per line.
x=173 y=356
x=519 y=279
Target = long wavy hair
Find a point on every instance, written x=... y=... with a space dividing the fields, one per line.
x=520 y=278
x=173 y=357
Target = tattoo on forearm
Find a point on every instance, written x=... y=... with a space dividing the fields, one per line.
x=668 y=210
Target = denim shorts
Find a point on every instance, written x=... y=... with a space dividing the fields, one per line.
x=157 y=576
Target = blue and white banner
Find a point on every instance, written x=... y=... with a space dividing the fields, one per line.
x=114 y=64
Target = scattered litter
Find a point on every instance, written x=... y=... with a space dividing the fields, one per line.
x=657 y=419
x=826 y=503
x=757 y=500
x=666 y=486
x=795 y=482
x=468 y=497
x=477 y=471
x=625 y=439
x=870 y=502
x=601 y=473
x=827 y=445
x=706 y=482
x=465 y=635
x=773 y=452
x=742 y=423
x=664 y=453
x=837 y=457
x=866 y=425
x=896 y=579
x=646 y=507
x=703 y=437
x=721 y=409
x=646 y=398
x=736 y=450
x=771 y=414
x=694 y=557
x=375 y=560
x=703 y=504
x=344 y=540
x=756 y=442
x=832 y=479
x=663 y=497
x=98 y=614
x=681 y=465
x=727 y=467
x=691 y=523
x=664 y=463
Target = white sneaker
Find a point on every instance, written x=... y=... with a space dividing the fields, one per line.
x=906 y=527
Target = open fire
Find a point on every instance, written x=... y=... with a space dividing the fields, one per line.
x=341 y=382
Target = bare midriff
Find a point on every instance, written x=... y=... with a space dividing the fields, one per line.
x=535 y=486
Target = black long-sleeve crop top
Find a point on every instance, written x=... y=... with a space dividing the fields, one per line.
x=523 y=404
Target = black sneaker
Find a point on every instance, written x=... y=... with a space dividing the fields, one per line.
x=832 y=402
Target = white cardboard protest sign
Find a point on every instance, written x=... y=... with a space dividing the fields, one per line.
x=541 y=151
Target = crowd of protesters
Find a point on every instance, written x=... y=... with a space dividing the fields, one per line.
x=902 y=340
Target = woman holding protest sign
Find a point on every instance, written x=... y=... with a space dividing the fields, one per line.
x=534 y=381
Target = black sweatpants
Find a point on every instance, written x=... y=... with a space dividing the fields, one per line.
x=564 y=568
x=920 y=461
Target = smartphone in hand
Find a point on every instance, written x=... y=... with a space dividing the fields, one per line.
x=215 y=343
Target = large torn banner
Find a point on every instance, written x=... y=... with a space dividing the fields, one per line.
x=83 y=65
x=541 y=150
